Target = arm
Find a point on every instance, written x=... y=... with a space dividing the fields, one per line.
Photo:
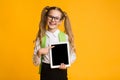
x=72 y=57
x=38 y=51
x=36 y=58
x=72 y=53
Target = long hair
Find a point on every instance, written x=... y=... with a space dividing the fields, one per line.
x=67 y=25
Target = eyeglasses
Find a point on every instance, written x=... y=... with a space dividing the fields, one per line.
x=50 y=17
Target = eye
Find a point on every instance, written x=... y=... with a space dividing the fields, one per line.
x=56 y=18
x=49 y=16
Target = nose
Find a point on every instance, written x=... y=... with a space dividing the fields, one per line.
x=53 y=19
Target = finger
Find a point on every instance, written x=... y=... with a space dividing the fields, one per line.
x=62 y=66
x=51 y=47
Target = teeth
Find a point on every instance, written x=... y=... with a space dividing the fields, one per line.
x=52 y=23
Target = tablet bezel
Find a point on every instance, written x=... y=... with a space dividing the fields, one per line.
x=51 y=58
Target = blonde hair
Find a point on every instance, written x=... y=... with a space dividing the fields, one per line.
x=67 y=25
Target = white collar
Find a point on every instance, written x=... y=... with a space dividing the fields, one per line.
x=54 y=33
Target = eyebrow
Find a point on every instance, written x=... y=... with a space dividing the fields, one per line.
x=54 y=16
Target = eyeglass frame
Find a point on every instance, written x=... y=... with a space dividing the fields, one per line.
x=52 y=17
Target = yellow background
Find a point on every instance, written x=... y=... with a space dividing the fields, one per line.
x=96 y=27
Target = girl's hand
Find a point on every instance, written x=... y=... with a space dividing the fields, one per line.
x=62 y=66
x=44 y=50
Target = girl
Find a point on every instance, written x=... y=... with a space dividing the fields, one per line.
x=51 y=18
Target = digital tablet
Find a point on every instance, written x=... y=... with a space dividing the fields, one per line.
x=59 y=54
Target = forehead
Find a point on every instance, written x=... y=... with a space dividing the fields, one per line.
x=55 y=13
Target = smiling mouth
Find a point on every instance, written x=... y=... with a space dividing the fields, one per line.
x=51 y=23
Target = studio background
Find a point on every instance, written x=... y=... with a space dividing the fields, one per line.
x=96 y=28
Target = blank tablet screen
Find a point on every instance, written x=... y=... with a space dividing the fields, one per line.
x=59 y=54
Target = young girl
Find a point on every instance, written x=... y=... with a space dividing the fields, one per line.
x=51 y=18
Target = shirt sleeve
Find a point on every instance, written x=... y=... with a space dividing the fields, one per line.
x=72 y=53
x=37 y=46
x=72 y=57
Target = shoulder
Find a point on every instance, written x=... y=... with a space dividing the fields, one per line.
x=61 y=32
x=64 y=34
x=37 y=41
x=66 y=37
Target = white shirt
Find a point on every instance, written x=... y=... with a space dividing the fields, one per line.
x=52 y=38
